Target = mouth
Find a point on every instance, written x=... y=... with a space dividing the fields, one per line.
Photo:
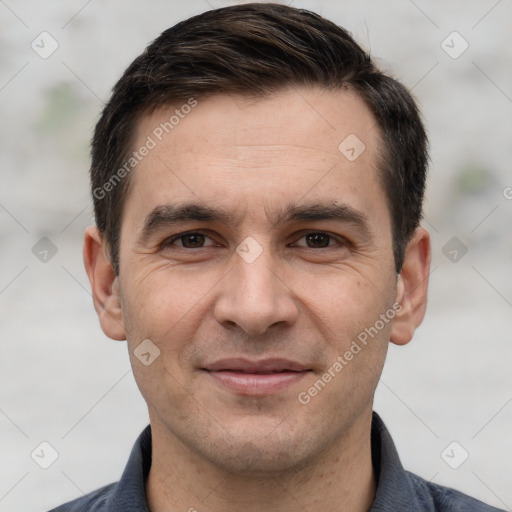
x=256 y=378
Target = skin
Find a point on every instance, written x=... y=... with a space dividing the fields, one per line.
x=215 y=449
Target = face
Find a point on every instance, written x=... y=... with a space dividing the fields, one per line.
x=255 y=255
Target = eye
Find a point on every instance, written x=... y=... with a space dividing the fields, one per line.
x=319 y=240
x=191 y=240
x=197 y=240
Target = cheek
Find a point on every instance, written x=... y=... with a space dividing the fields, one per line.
x=356 y=340
x=160 y=306
x=344 y=303
x=158 y=298
x=166 y=305
x=347 y=313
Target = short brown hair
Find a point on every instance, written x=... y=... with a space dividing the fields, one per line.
x=253 y=50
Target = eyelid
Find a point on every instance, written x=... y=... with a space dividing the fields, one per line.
x=338 y=238
x=171 y=239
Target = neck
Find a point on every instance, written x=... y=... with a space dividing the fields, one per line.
x=340 y=479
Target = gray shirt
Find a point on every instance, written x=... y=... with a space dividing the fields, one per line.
x=397 y=490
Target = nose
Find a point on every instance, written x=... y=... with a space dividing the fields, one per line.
x=254 y=297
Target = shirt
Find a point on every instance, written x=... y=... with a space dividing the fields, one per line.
x=397 y=490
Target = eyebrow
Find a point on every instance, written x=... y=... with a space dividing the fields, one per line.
x=168 y=215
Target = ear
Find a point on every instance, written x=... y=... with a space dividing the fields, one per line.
x=104 y=284
x=412 y=287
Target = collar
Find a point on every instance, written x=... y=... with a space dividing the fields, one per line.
x=395 y=491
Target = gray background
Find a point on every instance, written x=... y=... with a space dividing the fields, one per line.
x=62 y=381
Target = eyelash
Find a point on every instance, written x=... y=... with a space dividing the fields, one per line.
x=170 y=241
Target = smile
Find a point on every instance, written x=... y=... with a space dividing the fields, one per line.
x=256 y=378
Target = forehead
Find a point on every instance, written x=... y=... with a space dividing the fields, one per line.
x=313 y=118
x=296 y=142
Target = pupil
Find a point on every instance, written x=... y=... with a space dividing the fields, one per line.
x=197 y=240
x=317 y=238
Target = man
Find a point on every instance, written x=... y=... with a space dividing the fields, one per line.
x=258 y=188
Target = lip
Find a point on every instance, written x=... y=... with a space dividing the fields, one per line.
x=256 y=378
x=243 y=365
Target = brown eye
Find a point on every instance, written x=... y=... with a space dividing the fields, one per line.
x=316 y=240
x=191 y=240
x=319 y=240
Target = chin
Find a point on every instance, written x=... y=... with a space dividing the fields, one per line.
x=253 y=460
x=263 y=451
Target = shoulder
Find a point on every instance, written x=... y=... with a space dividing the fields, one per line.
x=96 y=501
x=438 y=498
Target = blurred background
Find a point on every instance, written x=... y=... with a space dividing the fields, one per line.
x=446 y=397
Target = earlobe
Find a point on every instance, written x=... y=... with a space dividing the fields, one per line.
x=104 y=284
x=412 y=288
